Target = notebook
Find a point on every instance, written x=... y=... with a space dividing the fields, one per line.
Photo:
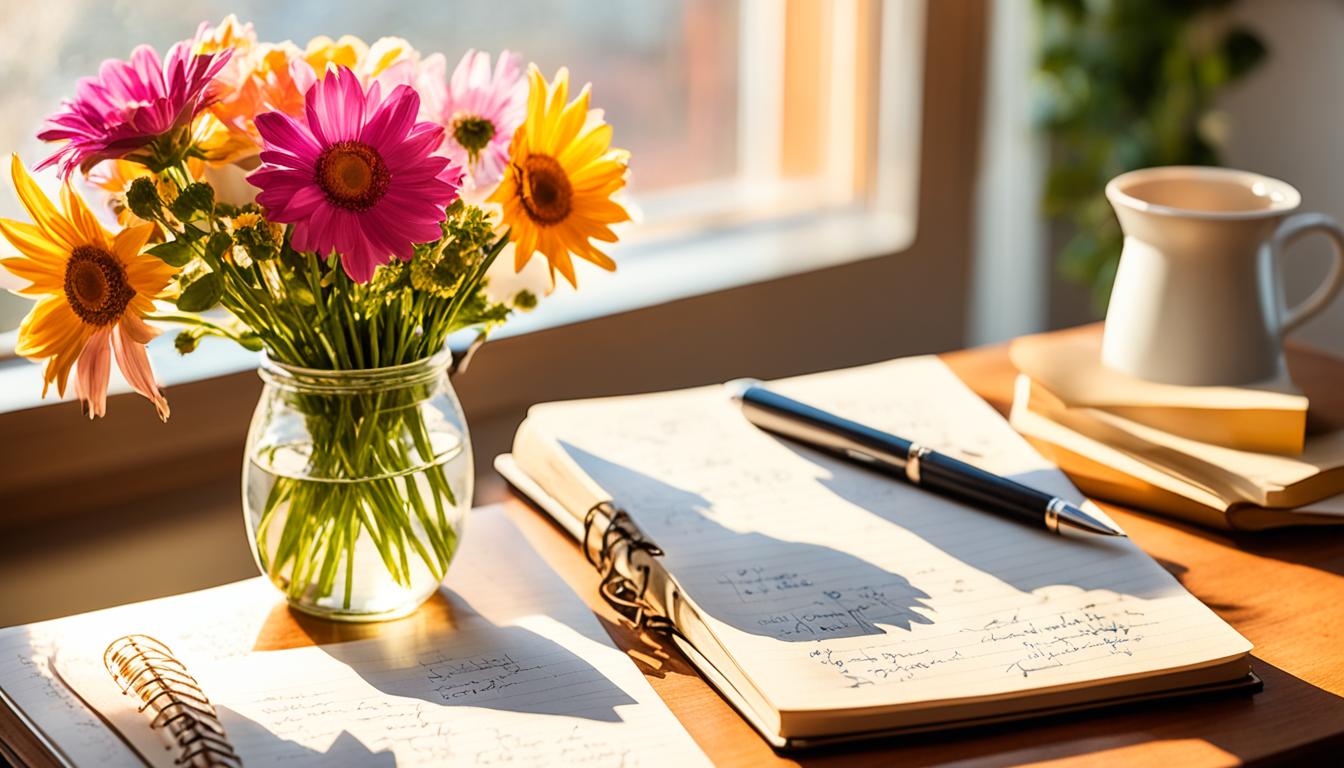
x=512 y=668
x=1110 y=458
x=1267 y=417
x=828 y=603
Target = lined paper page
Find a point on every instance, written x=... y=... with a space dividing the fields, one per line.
x=833 y=587
x=218 y=622
x=521 y=673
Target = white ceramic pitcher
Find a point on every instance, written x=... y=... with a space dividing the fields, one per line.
x=1198 y=297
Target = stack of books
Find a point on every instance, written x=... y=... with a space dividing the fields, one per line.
x=1247 y=458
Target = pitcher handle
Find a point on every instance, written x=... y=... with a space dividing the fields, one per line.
x=1292 y=228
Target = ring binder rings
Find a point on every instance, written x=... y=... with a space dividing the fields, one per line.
x=147 y=669
x=619 y=541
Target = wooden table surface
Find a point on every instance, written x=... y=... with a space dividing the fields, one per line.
x=1283 y=590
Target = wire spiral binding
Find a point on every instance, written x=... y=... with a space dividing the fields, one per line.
x=622 y=539
x=146 y=668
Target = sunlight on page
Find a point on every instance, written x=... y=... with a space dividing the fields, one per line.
x=883 y=593
x=520 y=671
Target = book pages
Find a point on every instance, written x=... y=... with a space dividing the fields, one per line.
x=834 y=588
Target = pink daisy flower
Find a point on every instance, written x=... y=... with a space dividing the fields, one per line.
x=359 y=176
x=131 y=105
x=480 y=110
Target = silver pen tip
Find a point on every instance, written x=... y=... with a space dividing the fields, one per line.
x=1075 y=517
x=737 y=387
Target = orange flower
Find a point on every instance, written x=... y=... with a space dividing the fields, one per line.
x=94 y=290
x=259 y=78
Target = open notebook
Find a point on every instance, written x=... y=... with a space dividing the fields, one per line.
x=831 y=603
x=506 y=664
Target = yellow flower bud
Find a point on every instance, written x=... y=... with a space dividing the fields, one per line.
x=167 y=191
x=246 y=220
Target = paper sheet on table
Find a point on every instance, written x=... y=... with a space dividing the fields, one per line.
x=519 y=672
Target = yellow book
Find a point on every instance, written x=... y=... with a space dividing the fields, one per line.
x=1104 y=458
x=1268 y=417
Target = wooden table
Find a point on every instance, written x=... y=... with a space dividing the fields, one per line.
x=1283 y=590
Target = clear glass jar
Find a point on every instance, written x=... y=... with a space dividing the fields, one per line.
x=356 y=486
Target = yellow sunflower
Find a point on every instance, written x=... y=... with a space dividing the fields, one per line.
x=346 y=52
x=556 y=192
x=94 y=290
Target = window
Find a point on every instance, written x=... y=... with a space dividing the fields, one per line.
x=769 y=137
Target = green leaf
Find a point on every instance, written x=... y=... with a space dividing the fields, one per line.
x=218 y=245
x=202 y=294
x=191 y=233
x=174 y=253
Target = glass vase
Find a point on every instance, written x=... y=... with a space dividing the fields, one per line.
x=356 y=486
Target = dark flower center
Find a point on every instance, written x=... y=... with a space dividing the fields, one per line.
x=96 y=286
x=473 y=134
x=353 y=175
x=545 y=188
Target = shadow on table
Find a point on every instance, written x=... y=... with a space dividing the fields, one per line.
x=1290 y=722
x=1317 y=547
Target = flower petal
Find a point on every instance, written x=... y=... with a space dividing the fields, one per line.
x=44 y=213
x=128 y=242
x=34 y=243
x=51 y=331
x=134 y=365
x=92 y=371
x=82 y=218
x=41 y=279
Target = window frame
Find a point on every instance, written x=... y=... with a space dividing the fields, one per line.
x=897 y=302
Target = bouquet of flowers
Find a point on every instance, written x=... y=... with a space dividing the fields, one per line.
x=339 y=206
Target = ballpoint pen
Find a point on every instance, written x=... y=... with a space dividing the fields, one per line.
x=908 y=460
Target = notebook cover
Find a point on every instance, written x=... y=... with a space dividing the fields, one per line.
x=22 y=742
x=543 y=502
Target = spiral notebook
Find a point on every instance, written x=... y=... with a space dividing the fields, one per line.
x=506 y=664
x=828 y=603
x=151 y=687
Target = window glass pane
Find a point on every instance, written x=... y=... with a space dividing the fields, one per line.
x=665 y=71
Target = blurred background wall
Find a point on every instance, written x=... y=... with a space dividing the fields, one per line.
x=1284 y=119
x=1287 y=120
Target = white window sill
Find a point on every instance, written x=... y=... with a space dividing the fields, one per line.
x=650 y=273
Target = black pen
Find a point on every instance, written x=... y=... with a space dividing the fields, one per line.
x=908 y=460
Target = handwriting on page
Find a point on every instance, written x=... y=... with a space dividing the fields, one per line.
x=417 y=732
x=789 y=605
x=455 y=679
x=1015 y=646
